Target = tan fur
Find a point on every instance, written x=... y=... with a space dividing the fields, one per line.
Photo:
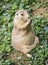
x=23 y=38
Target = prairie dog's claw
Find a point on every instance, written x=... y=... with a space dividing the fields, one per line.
x=30 y=56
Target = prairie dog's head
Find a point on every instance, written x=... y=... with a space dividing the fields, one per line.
x=21 y=15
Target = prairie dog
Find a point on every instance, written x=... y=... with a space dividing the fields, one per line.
x=23 y=38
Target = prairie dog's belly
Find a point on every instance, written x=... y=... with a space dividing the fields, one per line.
x=21 y=38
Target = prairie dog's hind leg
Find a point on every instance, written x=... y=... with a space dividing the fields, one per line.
x=36 y=41
x=32 y=47
x=26 y=51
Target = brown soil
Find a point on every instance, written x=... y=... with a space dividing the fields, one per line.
x=41 y=12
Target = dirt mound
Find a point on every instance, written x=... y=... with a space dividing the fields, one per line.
x=41 y=12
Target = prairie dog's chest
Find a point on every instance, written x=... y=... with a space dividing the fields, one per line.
x=18 y=33
x=22 y=37
x=19 y=22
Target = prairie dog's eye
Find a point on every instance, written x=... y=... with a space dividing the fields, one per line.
x=22 y=14
x=17 y=14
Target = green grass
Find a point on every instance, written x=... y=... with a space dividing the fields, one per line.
x=7 y=11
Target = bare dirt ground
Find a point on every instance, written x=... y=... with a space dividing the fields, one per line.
x=41 y=12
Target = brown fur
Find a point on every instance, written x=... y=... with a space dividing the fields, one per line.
x=23 y=38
